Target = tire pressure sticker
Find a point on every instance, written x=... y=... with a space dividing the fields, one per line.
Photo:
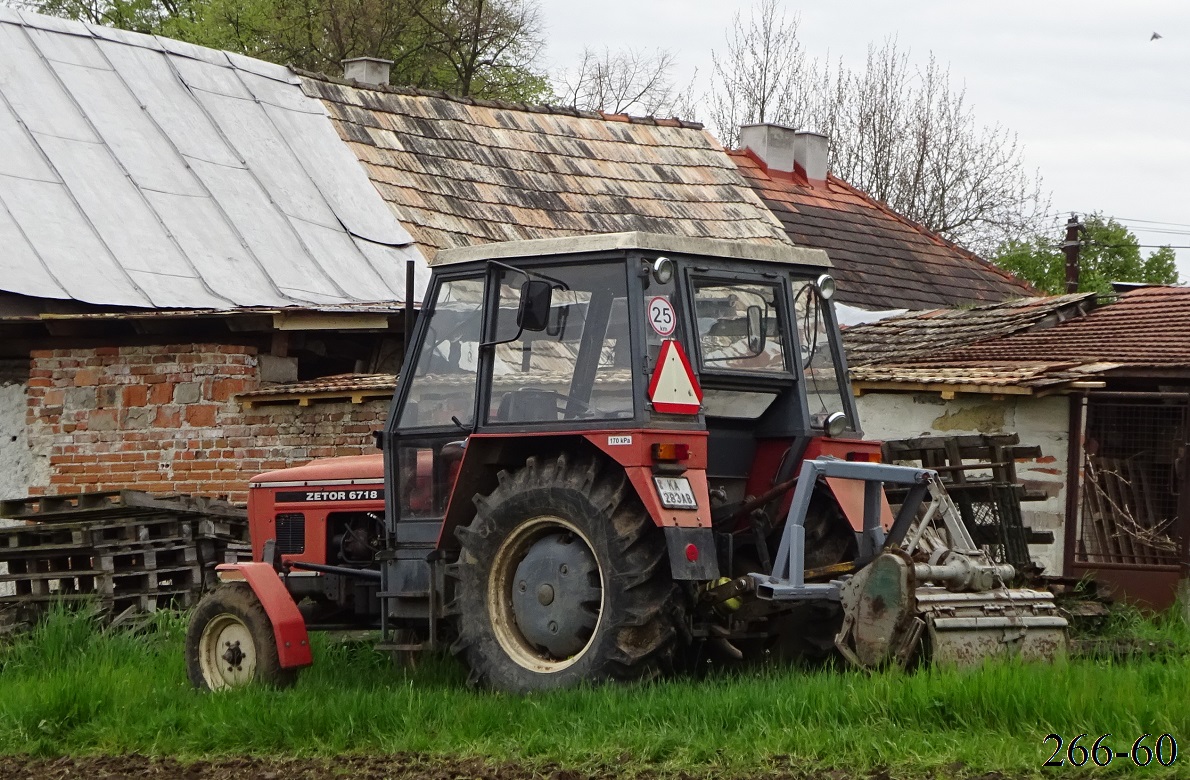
x=661 y=316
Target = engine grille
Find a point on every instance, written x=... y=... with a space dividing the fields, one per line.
x=291 y=534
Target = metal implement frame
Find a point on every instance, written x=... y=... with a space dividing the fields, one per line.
x=787 y=582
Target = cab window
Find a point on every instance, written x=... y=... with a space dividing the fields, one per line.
x=442 y=389
x=579 y=366
x=739 y=327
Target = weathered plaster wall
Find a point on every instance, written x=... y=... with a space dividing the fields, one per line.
x=1040 y=422
x=20 y=469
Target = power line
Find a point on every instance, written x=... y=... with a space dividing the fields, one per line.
x=1153 y=222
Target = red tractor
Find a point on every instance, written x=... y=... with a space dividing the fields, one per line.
x=607 y=456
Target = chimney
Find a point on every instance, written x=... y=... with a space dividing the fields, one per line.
x=810 y=154
x=367 y=70
x=773 y=144
x=785 y=150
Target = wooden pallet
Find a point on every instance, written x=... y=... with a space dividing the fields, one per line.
x=123 y=550
x=78 y=505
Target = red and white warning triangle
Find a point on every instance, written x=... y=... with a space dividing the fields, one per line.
x=673 y=389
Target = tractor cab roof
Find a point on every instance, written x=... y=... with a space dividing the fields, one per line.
x=649 y=242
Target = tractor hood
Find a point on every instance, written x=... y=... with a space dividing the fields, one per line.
x=346 y=470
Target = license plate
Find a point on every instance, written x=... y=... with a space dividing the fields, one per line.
x=675 y=493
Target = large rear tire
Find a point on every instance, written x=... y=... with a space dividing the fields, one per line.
x=230 y=642
x=563 y=579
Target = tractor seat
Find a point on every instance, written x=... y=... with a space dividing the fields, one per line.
x=528 y=404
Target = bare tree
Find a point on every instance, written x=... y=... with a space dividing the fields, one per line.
x=757 y=77
x=901 y=133
x=620 y=82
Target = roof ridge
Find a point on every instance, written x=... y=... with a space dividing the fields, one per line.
x=534 y=108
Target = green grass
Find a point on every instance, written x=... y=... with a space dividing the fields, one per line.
x=69 y=688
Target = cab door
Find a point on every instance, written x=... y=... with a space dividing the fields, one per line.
x=433 y=412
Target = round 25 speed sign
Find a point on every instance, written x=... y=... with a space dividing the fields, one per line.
x=661 y=316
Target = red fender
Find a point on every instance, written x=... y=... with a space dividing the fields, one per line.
x=289 y=629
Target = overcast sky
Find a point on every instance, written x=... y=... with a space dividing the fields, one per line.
x=1102 y=111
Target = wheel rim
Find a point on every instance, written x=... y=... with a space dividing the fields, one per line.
x=546 y=594
x=227 y=653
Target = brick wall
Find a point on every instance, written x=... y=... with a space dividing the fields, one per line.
x=164 y=419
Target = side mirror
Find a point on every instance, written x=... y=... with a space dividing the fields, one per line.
x=756 y=330
x=534 y=311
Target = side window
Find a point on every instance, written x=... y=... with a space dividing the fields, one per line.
x=442 y=388
x=820 y=365
x=579 y=366
x=739 y=327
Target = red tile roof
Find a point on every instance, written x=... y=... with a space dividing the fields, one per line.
x=1149 y=327
x=882 y=260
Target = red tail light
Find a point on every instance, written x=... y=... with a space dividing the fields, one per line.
x=671 y=453
x=864 y=457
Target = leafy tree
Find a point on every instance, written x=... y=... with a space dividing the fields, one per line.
x=1109 y=252
x=481 y=48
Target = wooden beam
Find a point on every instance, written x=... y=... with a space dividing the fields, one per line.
x=940 y=387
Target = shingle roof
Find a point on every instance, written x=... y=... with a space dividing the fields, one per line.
x=460 y=172
x=142 y=171
x=977 y=377
x=926 y=334
x=1147 y=328
x=353 y=387
x=882 y=260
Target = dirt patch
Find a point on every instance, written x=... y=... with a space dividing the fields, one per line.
x=395 y=767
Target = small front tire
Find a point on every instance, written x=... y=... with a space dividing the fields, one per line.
x=230 y=642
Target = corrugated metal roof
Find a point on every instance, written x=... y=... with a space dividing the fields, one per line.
x=461 y=172
x=143 y=171
x=882 y=260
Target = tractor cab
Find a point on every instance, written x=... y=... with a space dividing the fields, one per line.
x=703 y=369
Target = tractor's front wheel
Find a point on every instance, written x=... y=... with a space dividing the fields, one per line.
x=230 y=642
x=563 y=579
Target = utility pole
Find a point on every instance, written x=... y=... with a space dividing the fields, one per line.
x=1070 y=248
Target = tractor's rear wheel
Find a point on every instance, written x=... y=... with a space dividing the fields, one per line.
x=564 y=579
x=230 y=642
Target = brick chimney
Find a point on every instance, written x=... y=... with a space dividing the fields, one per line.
x=786 y=150
x=367 y=70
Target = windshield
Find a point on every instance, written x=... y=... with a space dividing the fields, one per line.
x=579 y=366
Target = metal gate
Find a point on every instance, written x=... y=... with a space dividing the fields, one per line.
x=1131 y=517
